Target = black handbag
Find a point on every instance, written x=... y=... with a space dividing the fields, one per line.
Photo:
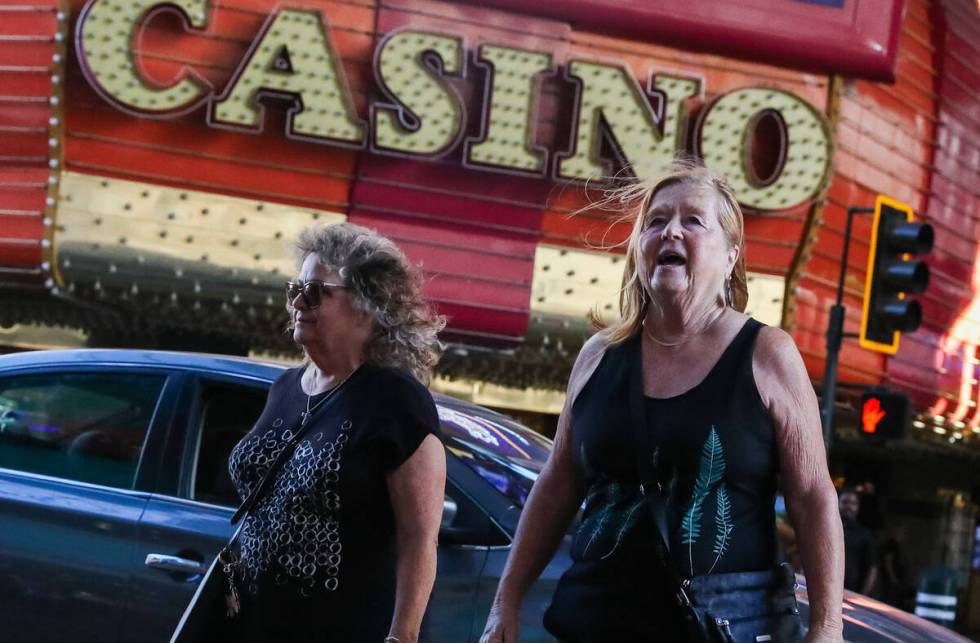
x=735 y=607
x=209 y=615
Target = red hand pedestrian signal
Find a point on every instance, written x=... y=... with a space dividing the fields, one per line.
x=871 y=415
x=884 y=415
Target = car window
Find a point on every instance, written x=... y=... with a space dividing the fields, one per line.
x=88 y=427
x=507 y=455
x=228 y=412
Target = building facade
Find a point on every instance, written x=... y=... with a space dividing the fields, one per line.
x=157 y=159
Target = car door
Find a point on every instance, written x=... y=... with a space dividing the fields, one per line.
x=70 y=446
x=466 y=537
x=187 y=521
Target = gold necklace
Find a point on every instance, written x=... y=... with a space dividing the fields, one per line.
x=649 y=333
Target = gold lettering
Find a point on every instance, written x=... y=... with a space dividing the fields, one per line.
x=293 y=57
x=428 y=118
x=725 y=134
x=106 y=30
x=611 y=103
x=508 y=132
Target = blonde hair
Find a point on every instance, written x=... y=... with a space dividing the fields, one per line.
x=639 y=194
x=383 y=284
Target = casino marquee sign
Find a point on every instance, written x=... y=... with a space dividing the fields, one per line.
x=616 y=119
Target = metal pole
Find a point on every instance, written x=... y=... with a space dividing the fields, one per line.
x=835 y=335
x=835 y=329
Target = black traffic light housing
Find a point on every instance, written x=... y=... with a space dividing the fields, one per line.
x=885 y=414
x=893 y=275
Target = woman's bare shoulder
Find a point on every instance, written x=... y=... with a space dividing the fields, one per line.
x=775 y=343
x=777 y=363
x=585 y=364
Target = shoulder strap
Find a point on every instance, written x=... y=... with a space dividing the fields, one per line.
x=287 y=451
x=649 y=483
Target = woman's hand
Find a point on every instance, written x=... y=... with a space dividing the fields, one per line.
x=503 y=624
x=417 y=489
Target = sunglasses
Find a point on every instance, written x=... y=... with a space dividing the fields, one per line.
x=311 y=290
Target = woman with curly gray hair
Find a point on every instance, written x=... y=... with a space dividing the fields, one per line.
x=341 y=546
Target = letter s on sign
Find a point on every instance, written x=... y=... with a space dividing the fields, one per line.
x=104 y=37
x=425 y=115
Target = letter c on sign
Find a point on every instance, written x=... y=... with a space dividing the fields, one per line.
x=106 y=32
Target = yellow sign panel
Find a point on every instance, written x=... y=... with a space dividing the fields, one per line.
x=725 y=142
x=107 y=30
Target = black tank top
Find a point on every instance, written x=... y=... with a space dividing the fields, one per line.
x=715 y=456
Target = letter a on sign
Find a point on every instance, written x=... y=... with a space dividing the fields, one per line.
x=293 y=58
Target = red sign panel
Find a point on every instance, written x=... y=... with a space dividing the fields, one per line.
x=856 y=38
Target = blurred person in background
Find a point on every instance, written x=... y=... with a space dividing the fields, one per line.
x=893 y=564
x=860 y=564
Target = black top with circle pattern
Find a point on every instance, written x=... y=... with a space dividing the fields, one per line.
x=318 y=550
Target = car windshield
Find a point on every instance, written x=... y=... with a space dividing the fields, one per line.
x=505 y=454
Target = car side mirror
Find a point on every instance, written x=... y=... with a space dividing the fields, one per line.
x=462 y=536
x=461 y=525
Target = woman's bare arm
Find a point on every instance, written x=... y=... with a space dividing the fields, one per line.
x=811 y=501
x=549 y=510
x=417 y=489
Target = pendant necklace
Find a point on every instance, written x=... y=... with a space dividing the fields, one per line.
x=309 y=397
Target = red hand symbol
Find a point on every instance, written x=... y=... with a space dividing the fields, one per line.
x=871 y=415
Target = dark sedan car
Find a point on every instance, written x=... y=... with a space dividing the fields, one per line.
x=114 y=497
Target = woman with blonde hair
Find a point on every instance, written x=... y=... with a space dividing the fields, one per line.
x=341 y=547
x=679 y=419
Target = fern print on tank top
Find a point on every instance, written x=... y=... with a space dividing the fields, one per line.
x=711 y=471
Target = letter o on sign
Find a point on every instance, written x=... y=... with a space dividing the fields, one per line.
x=724 y=141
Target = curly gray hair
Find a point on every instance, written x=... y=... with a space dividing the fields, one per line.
x=383 y=284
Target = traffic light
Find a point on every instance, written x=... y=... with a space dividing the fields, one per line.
x=893 y=275
x=884 y=414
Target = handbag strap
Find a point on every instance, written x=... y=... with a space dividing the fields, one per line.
x=287 y=451
x=650 y=485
